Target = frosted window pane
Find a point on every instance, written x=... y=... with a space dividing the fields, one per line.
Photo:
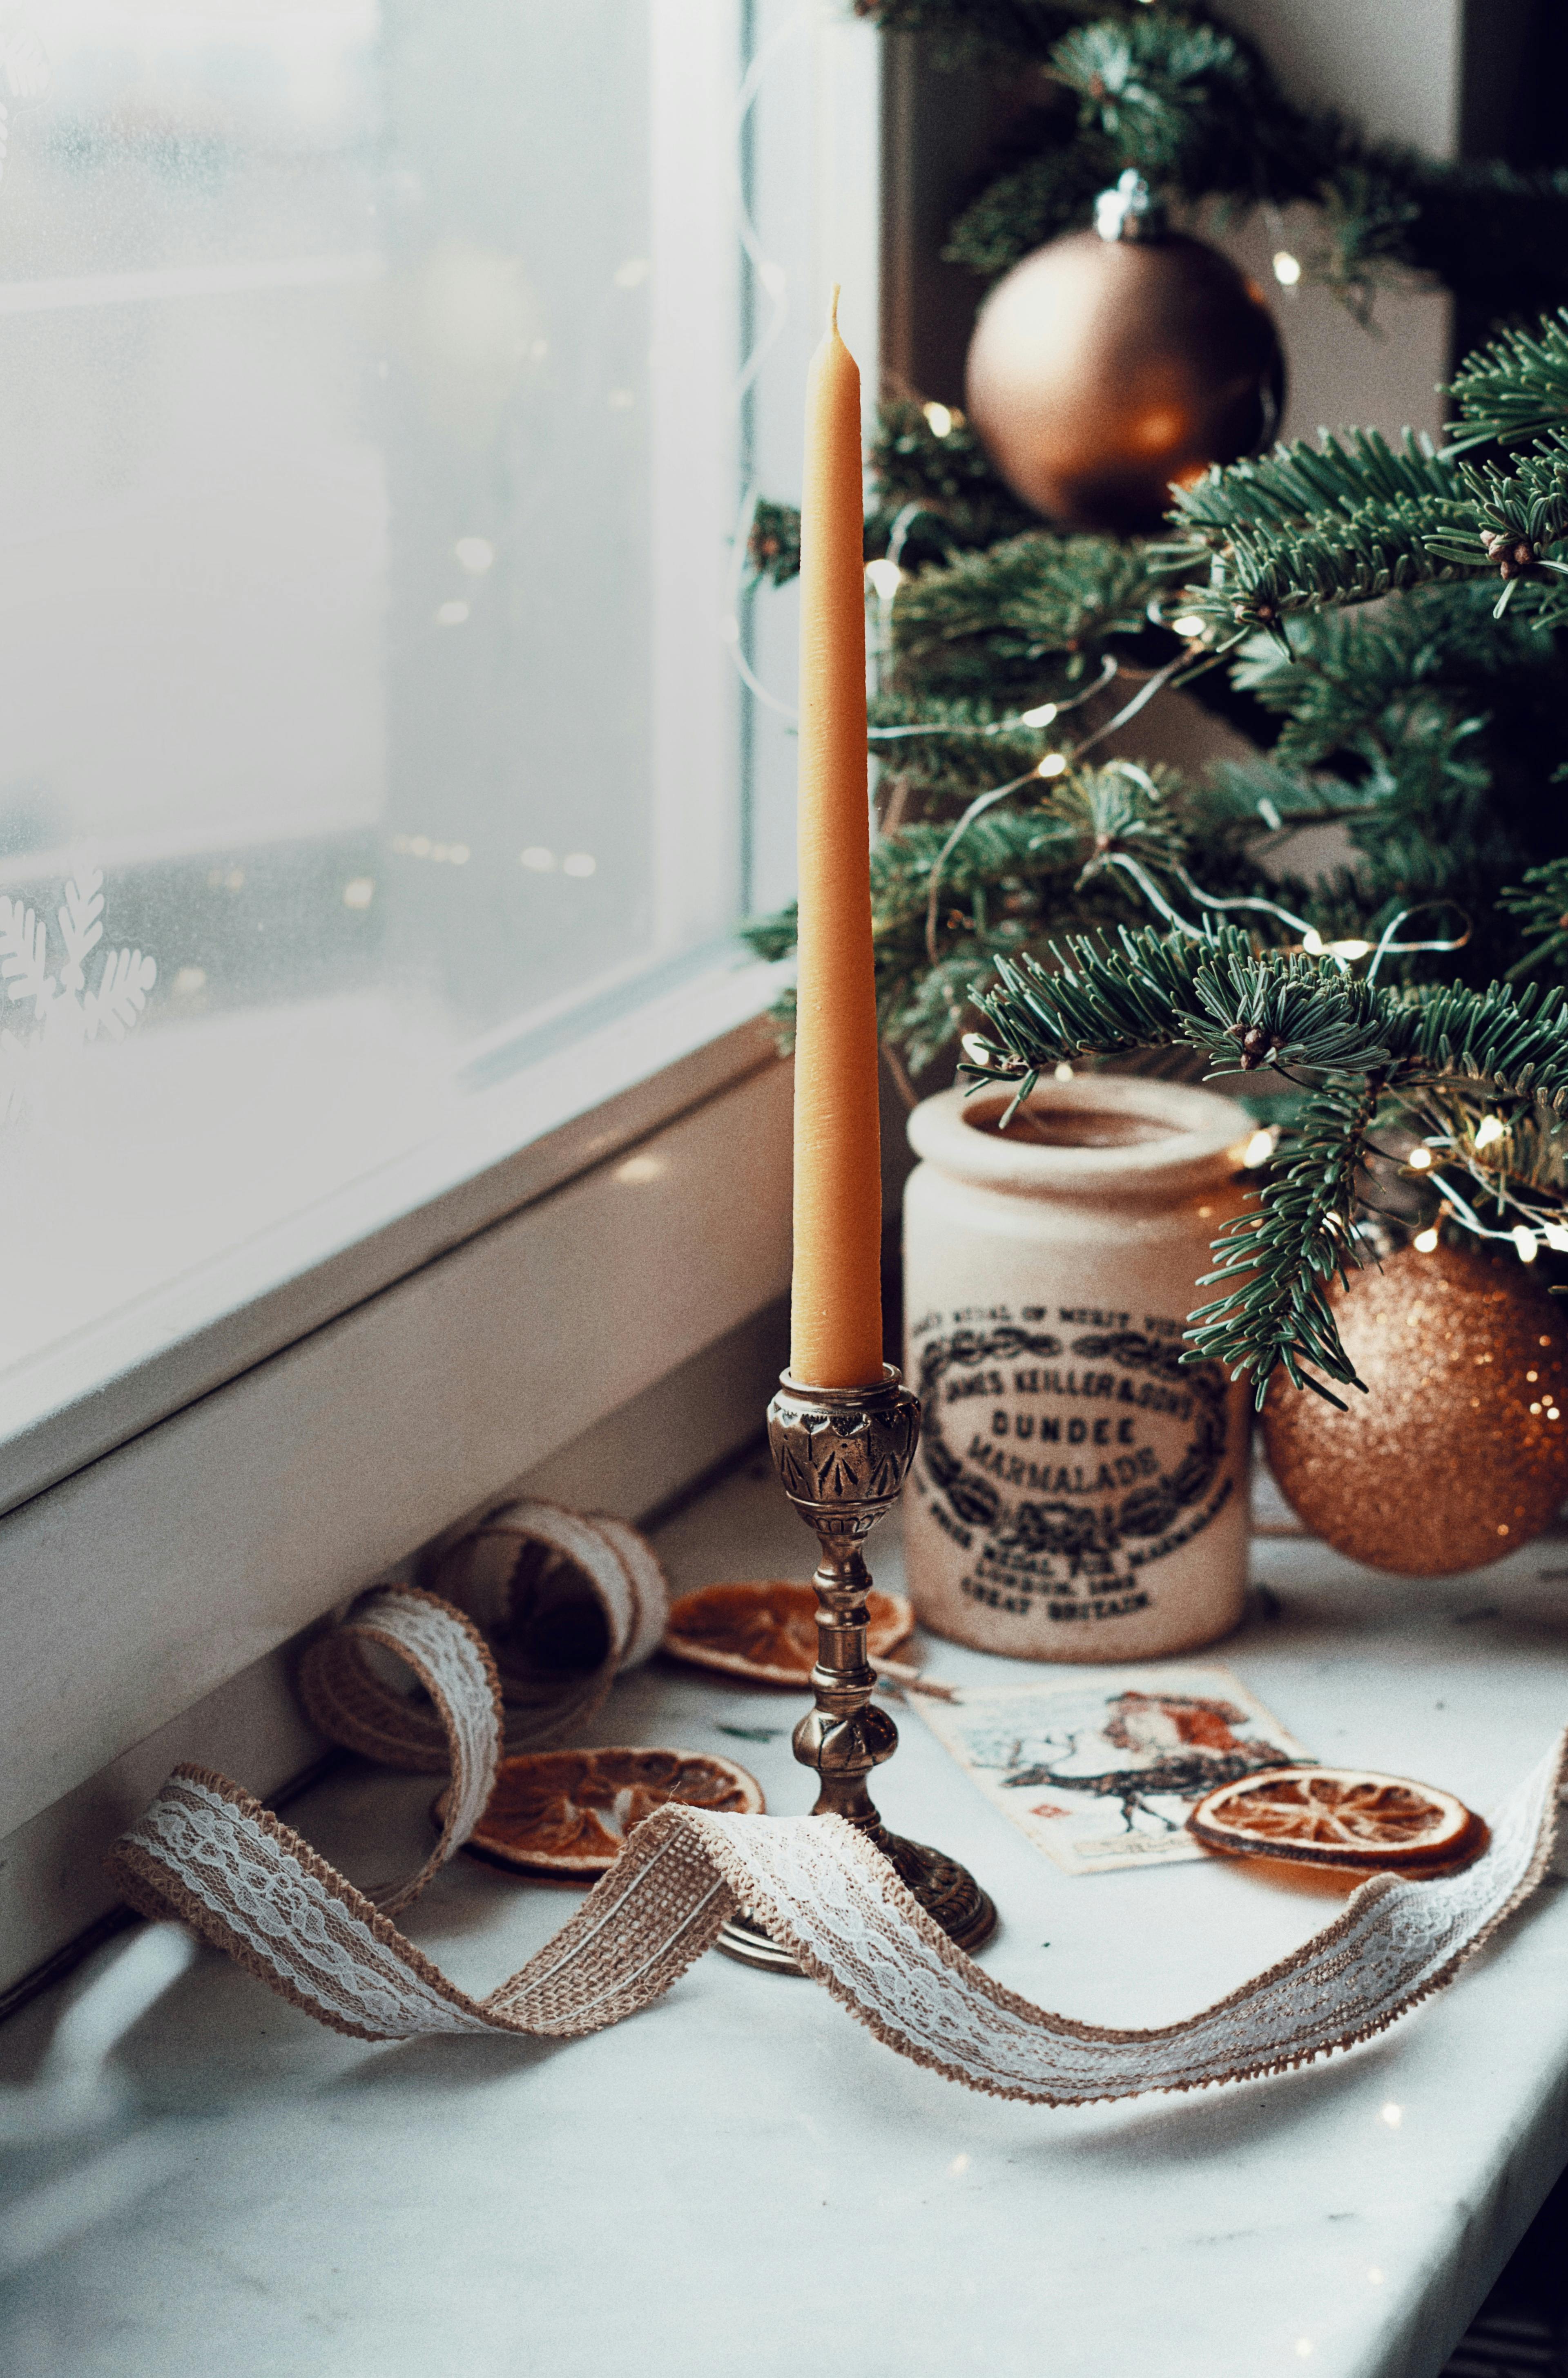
x=327 y=598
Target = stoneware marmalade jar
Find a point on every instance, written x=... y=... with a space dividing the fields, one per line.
x=1079 y=1493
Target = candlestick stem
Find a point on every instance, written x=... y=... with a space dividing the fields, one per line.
x=842 y=1455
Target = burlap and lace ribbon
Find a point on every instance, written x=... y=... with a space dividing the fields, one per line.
x=567 y=1601
x=207 y=1852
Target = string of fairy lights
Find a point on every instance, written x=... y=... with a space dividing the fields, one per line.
x=1478 y=1149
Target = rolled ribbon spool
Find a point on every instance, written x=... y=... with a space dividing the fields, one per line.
x=566 y=1603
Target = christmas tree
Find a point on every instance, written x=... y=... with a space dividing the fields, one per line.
x=1048 y=905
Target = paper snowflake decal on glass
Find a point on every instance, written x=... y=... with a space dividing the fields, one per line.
x=65 y=1014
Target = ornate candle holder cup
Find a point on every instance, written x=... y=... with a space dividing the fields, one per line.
x=841 y=1454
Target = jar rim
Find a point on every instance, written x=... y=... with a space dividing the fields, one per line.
x=1204 y=1139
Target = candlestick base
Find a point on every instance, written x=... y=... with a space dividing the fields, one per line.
x=841 y=1454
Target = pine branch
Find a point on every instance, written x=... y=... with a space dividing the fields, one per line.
x=945 y=751
x=935 y=495
x=985 y=33
x=1366 y=1043
x=1354 y=684
x=1540 y=901
x=1261 y=796
x=1278 y=1263
x=1369 y=219
x=1516 y=389
x=1191 y=108
x=1053 y=193
x=1209 y=989
x=946 y=475
x=1026 y=614
x=1017 y=875
x=1299 y=486
x=1346 y=524
x=772 y=546
x=1196 y=109
x=1513 y=1041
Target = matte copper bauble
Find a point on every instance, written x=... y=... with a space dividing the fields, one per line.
x=1102 y=369
x=1458 y=1453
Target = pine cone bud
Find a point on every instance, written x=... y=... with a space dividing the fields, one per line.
x=1257 y=1045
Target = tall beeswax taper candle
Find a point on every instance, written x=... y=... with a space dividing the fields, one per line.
x=837 y=1302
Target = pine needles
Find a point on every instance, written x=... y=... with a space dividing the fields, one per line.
x=1388 y=622
x=1371 y=1057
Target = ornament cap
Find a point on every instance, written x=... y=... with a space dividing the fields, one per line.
x=1131 y=210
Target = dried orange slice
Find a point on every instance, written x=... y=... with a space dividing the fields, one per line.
x=1340 y=1815
x=568 y=1812
x=767 y=1631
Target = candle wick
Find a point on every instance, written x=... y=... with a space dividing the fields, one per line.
x=832 y=312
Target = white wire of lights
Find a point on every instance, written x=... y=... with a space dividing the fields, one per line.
x=771 y=277
x=1541 y=1224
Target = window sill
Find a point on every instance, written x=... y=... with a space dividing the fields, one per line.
x=229 y=1488
x=543 y=1107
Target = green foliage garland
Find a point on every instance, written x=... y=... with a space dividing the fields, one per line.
x=1018 y=867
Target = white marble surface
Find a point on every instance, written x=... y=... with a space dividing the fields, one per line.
x=743 y=2179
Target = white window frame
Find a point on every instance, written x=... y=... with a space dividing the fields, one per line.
x=208 y=1476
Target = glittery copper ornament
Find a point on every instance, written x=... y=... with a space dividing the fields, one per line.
x=1458 y=1453
x=1102 y=369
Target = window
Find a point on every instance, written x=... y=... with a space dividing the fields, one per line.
x=369 y=439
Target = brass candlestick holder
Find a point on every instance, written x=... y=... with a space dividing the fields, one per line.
x=841 y=1454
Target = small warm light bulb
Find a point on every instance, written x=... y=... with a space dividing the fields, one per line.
x=1393 y=2115
x=1556 y=1237
x=1053 y=765
x=884 y=578
x=1489 y=1132
x=1311 y=941
x=975 y=1049
x=1287 y=267
x=1424 y=1242
x=579 y=862
x=1062 y=1072
x=939 y=420
x=1420 y=1159
x=1258 y=1150
x=475 y=553
x=1524 y=1241
x=1189 y=624
x=1041 y=716
x=1349 y=949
